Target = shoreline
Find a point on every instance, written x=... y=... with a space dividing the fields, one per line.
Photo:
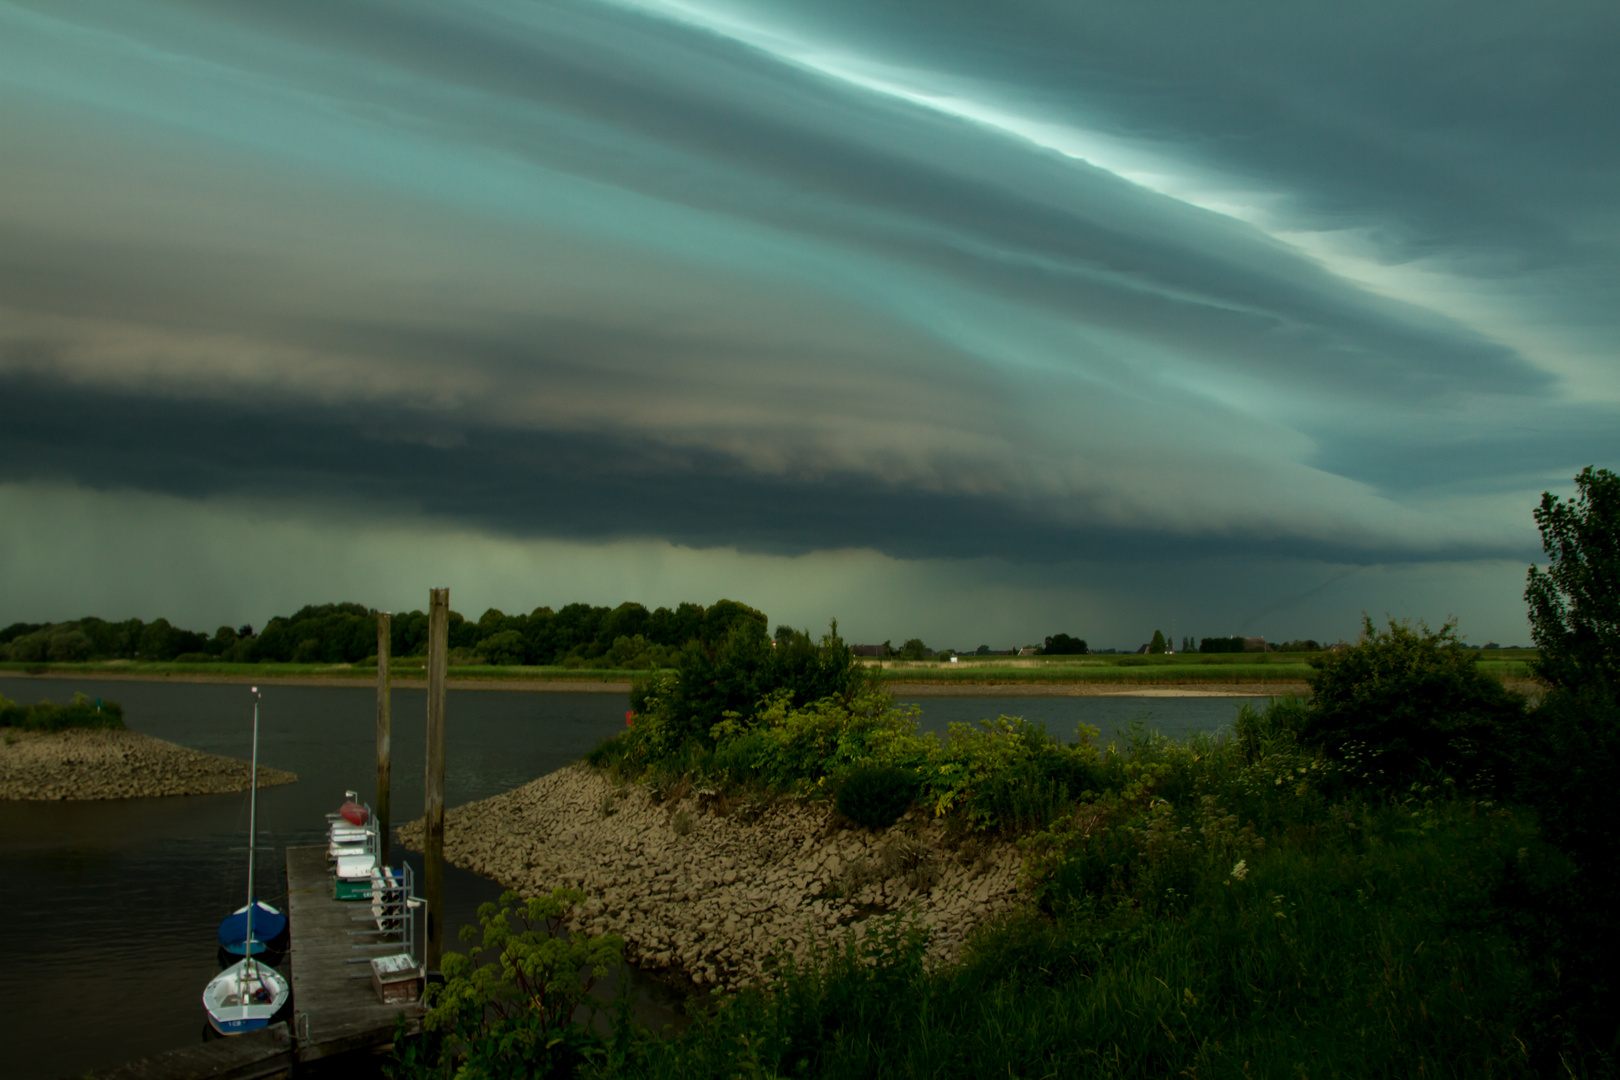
x=93 y=764
x=340 y=681
x=709 y=889
x=1160 y=688
x=1087 y=688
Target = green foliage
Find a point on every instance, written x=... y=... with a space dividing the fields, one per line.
x=507 y=1007
x=913 y=649
x=874 y=796
x=577 y=636
x=1060 y=645
x=1008 y=773
x=1158 y=645
x=734 y=680
x=1575 y=603
x=1326 y=937
x=1405 y=700
x=1221 y=645
x=82 y=712
x=502 y=648
x=86 y=639
x=1566 y=913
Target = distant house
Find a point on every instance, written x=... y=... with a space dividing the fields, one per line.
x=1030 y=650
x=1254 y=644
x=867 y=650
x=1141 y=650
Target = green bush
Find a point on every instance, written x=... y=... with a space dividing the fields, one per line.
x=744 y=670
x=44 y=716
x=874 y=796
x=1403 y=700
x=507 y=1008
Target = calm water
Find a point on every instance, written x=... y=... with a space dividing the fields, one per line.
x=108 y=909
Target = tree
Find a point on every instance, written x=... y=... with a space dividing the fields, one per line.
x=1404 y=699
x=1157 y=645
x=1063 y=645
x=1575 y=603
x=914 y=649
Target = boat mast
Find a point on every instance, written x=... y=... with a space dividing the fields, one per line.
x=253 y=829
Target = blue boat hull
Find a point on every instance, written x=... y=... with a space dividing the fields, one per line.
x=269 y=931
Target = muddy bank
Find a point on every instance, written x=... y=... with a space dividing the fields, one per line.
x=99 y=764
x=707 y=889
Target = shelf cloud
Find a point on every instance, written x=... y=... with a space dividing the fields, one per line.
x=1116 y=283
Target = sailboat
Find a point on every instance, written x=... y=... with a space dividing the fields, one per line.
x=246 y=995
x=268 y=936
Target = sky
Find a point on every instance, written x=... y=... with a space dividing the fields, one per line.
x=974 y=322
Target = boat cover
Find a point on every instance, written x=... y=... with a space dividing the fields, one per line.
x=268 y=924
x=356 y=867
x=354 y=812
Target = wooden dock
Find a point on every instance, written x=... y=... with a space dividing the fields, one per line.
x=335 y=1007
x=336 y=1010
x=258 y=1055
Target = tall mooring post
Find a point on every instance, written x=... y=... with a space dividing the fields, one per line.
x=433 y=840
x=385 y=735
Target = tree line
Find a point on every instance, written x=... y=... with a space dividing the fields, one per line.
x=576 y=635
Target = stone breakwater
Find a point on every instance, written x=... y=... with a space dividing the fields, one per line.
x=710 y=888
x=97 y=764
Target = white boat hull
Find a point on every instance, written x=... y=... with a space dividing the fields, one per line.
x=245 y=997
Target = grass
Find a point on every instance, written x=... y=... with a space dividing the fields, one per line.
x=1110 y=673
x=1348 y=936
x=1178 y=668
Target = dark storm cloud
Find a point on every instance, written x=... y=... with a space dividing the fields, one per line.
x=798 y=277
x=572 y=486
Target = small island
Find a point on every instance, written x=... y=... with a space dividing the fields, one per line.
x=83 y=751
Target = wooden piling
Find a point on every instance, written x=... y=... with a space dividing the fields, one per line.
x=433 y=840
x=385 y=735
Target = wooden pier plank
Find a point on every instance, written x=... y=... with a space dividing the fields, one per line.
x=336 y=1006
x=258 y=1055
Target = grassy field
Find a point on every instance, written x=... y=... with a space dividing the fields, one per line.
x=1176 y=668
x=1511 y=664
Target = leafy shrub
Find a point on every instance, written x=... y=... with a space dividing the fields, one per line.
x=1009 y=773
x=44 y=716
x=507 y=1007
x=1404 y=700
x=875 y=796
x=746 y=669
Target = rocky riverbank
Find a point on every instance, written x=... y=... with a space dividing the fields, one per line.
x=99 y=764
x=708 y=888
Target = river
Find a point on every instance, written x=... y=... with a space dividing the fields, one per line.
x=108 y=909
